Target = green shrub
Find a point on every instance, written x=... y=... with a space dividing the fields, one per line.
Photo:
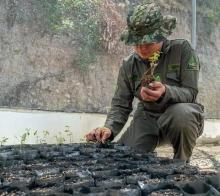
x=210 y=9
x=78 y=19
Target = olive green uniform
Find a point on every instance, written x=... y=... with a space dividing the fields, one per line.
x=175 y=117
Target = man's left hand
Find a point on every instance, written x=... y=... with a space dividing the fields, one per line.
x=153 y=92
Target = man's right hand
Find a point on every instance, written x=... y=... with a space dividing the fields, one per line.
x=100 y=134
x=153 y=92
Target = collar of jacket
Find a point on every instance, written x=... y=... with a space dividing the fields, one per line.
x=166 y=46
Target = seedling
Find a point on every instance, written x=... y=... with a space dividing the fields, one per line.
x=148 y=76
x=3 y=140
x=68 y=133
x=45 y=134
x=82 y=140
x=37 y=136
x=24 y=136
x=59 y=138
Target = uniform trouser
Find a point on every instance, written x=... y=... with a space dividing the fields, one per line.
x=181 y=124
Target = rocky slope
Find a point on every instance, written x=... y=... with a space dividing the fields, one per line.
x=40 y=68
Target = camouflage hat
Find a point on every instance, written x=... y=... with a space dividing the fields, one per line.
x=145 y=24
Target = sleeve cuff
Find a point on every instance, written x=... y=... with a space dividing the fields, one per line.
x=111 y=128
x=164 y=99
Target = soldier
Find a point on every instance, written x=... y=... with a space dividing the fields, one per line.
x=167 y=110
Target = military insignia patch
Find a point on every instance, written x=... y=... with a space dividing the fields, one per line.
x=173 y=67
x=193 y=63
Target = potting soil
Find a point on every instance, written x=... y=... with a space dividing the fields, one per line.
x=98 y=170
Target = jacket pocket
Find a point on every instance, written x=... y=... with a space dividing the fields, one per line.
x=173 y=78
x=173 y=72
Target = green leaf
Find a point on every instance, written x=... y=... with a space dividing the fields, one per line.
x=157 y=78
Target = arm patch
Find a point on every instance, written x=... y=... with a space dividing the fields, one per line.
x=193 y=63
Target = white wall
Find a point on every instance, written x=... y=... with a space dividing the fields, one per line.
x=14 y=123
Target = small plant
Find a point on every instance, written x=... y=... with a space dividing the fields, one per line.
x=59 y=138
x=24 y=136
x=68 y=133
x=45 y=134
x=37 y=136
x=148 y=76
x=82 y=140
x=3 y=140
x=154 y=61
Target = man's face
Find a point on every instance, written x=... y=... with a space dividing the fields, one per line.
x=147 y=50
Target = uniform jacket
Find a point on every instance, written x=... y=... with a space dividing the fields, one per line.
x=178 y=69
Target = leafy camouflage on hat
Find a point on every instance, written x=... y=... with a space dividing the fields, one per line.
x=145 y=24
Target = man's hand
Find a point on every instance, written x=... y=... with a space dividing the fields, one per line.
x=153 y=92
x=100 y=134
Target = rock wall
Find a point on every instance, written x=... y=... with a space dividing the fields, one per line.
x=38 y=68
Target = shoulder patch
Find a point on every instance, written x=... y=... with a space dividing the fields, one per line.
x=193 y=63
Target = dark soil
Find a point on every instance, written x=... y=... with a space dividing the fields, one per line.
x=147 y=79
x=97 y=170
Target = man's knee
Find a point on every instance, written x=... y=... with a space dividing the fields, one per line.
x=182 y=117
x=140 y=141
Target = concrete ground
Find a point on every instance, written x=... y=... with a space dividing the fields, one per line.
x=205 y=157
